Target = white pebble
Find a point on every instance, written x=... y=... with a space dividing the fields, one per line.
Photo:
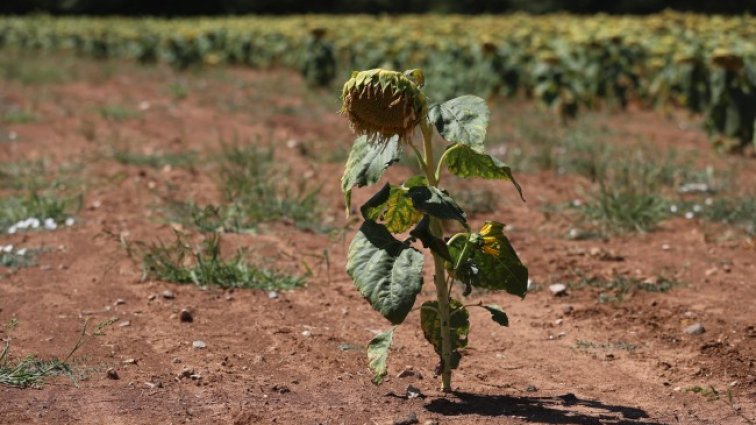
x=709 y=202
x=70 y=221
x=673 y=209
x=12 y=229
x=21 y=252
x=8 y=248
x=689 y=215
x=50 y=224
x=697 y=208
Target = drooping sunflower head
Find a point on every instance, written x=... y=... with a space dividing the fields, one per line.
x=727 y=59
x=382 y=103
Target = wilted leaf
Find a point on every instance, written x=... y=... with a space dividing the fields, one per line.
x=461 y=120
x=459 y=326
x=497 y=314
x=393 y=205
x=367 y=162
x=492 y=262
x=463 y=161
x=387 y=272
x=433 y=201
x=377 y=352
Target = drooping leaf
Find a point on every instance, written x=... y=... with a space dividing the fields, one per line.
x=367 y=162
x=377 y=352
x=437 y=203
x=400 y=214
x=461 y=120
x=373 y=208
x=387 y=272
x=497 y=314
x=459 y=327
x=492 y=262
x=393 y=205
x=423 y=233
x=463 y=161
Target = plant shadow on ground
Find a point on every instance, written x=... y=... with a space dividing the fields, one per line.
x=547 y=410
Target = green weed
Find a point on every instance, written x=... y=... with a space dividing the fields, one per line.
x=621 y=345
x=179 y=263
x=255 y=189
x=117 y=113
x=32 y=371
x=34 y=69
x=179 y=91
x=618 y=288
x=156 y=160
x=18 y=117
x=14 y=209
x=15 y=259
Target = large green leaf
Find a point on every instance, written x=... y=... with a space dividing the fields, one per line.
x=497 y=314
x=387 y=272
x=492 y=263
x=377 y=352
x=463 y=161
x=367 y=162
x=459 y=326
x=461 y=120
x=437 y=203
x=393 y=205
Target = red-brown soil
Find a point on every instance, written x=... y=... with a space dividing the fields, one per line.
x=299 y=358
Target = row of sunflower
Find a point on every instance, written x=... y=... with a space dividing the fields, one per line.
x=704 y=63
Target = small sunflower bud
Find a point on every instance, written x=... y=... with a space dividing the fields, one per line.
x=382 y=103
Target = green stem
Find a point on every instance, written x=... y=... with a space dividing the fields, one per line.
x=442 y=291
x=441 y=162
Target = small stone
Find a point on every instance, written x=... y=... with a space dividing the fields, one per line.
x=130 y=361
x=151 y=297
x=124 y=324
x=272 y=295
x=186 y=372
x=408 y=372
x=430 y=422
x=558 y=289
x=307 y=333
x=414 y=392
x=568 y=309
x=119 y=301
x=112 y=374
x=410 y=419
x=531 y=388
x=609 y=357
x=666 y=247
x=198 y=344
x=186 y=316
x=280 y=389
x=168 y=294
x=694 y=329
x=558 y=322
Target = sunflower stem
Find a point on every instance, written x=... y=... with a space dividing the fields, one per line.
x=442 y=291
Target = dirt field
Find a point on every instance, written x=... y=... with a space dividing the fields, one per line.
x=298 y=358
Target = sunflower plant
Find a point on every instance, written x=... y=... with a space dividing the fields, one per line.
x=391 y=115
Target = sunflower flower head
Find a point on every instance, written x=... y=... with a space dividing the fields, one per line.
x=382 y=104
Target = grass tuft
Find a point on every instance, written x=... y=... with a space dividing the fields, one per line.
x=618 y=288
x=30 y=371
x=179 y=263
x=157 y=160
x=255 y=189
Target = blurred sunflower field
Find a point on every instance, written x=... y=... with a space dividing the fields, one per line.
x=706 y=64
